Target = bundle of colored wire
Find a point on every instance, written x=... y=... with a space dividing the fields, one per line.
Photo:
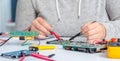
x=57 y=36
x=25 y=43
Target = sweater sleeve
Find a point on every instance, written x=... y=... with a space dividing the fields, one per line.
x=25 y=13
x=113 y=25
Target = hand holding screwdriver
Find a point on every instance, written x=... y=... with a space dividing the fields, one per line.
x=94 y=32
x=78 y=34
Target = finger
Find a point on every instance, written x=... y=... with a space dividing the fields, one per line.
x=97 y=41
x=40 y=32
x=44 y=23
x=93 y=25
x=84 y=30
x=94 y=41
x=41 y=28
x=93 y=31
x=86 y=25
x=41 y=37
x=90 y=27
x=95 y=36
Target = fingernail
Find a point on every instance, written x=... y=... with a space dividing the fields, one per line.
x=50 y=32
x=46 y=35
x=96 y=42
x=91 y=41
x=41 y=37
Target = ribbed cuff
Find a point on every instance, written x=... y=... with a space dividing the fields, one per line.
x=109 y=30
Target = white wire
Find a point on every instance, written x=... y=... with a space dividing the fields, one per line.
x=79 y=8
x=57 y=8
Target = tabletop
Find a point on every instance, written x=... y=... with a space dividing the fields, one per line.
x=60 y=54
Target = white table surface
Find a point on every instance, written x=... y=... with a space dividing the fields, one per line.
x=60 y=53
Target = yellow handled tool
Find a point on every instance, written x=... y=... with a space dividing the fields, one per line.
x=42 y=47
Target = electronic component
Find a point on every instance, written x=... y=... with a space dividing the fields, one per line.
x=16 y=54
x=80 y=46
x=24 y=35
x=23 y=53
x=21 y=38
x=85 y=47
x=113 y=48
x=41 y=47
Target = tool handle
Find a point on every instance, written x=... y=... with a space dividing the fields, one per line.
x=57 y=36
x=41 y=57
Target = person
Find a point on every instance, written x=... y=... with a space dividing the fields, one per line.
x=68 y=17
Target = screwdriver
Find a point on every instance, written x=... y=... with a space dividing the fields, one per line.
x=78 y=34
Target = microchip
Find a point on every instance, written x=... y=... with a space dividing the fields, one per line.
x=21 y=38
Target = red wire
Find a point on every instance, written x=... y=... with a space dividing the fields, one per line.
x=2 y=41
x=22 y=58
x=41 y=57
x=56 y=35
x=4 y=34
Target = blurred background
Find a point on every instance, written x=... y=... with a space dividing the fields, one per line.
x=7 y=15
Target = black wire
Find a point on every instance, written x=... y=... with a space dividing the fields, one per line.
x=38 y=42
x=5 y=41
x=51 y=55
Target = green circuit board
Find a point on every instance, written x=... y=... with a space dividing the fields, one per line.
x=23 y=33
x=79 y=46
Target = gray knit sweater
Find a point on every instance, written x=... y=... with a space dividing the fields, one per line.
x=67 y=16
